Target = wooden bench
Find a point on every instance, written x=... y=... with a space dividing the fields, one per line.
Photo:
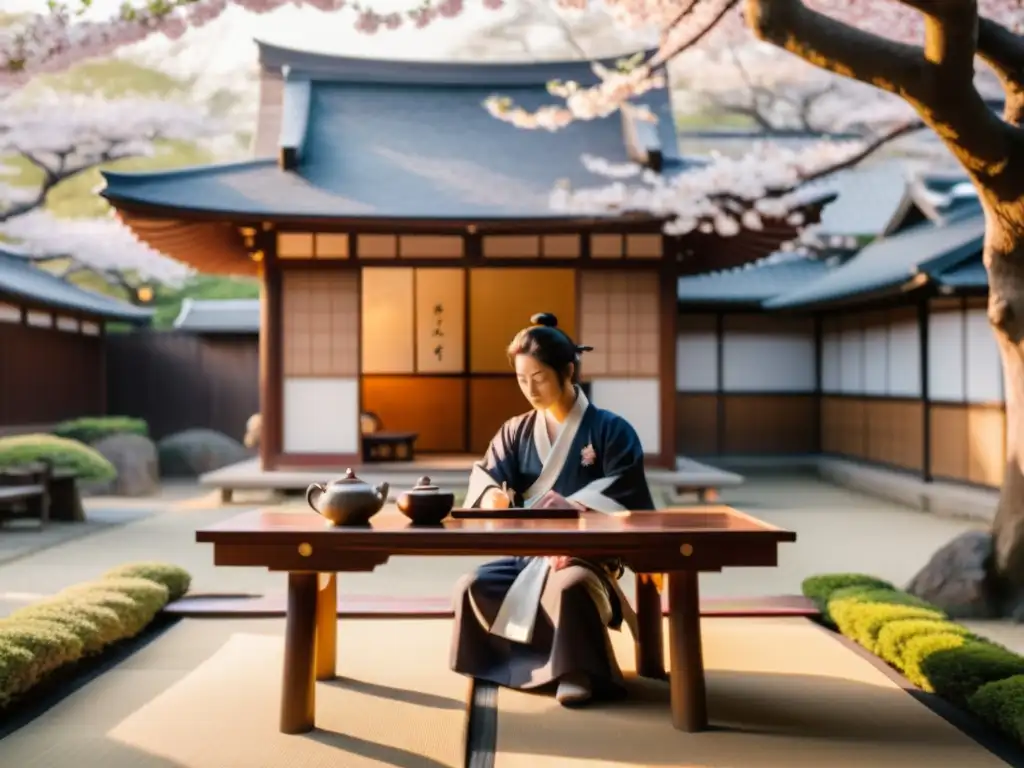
x=64 y=498
x=25 y=494
x=705 y=481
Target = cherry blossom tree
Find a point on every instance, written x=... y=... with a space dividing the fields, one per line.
x=59 y=136
x=62 y=135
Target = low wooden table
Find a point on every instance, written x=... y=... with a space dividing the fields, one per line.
x=678 y=542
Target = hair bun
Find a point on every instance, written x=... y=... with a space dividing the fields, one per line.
x=546 y=319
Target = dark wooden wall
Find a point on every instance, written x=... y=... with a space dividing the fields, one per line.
x=178 y=381
x=48 y=375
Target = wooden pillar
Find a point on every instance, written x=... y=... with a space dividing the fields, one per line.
x=926 y=407
x=326 y=626
x=720 y=384
x=667 y=340
x=271 y=385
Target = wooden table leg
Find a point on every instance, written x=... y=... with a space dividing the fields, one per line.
x=650 y=650
x=298 y=702
x=327 y=626
x=686 y=659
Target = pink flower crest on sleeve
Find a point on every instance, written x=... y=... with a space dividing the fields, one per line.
x=588 y=456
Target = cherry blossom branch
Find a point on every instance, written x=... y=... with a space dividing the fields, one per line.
x=63 y=136
x=728 y=194
x=55 y=41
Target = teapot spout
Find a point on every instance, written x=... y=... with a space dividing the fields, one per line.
x=382 y=493
x=313 y=494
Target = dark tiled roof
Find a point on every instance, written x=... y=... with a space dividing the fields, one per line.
x=401 y=140
x=20 y=280
x=750 y=285
x=969 y=274
x=890 y=262
x=219 y=316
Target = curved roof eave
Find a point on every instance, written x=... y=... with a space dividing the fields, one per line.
x=360 y=69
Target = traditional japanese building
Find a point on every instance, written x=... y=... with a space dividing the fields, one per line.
x=403 y=235
x=886 y=358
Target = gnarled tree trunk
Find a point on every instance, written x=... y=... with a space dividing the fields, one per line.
x=1004 y=257
x=937 y=79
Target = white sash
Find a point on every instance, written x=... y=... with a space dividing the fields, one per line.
x=553 y=457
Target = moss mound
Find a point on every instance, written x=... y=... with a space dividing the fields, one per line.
x=80 y=621
x=176 y=580
x=92 y=429
x=87 y=464
x=50 y=644
x=1001 y=703
x=95 y=625
x=820 y=588
x=893 y=637
x=957 y=673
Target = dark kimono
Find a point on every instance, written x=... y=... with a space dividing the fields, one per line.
x=518 y=623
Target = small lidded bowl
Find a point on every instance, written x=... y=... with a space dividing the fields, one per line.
x=426 y=504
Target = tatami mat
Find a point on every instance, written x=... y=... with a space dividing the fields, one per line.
x=206 y=696
x=782 y=694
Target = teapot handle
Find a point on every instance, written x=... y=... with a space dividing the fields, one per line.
x=382 y=493
x=313 y=494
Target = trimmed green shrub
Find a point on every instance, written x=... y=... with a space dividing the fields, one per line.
x=86 y=463
x=820 y=588
x=862 y=621
x=177 y=580
x=893 y=637
x=957 y=673
x=50 y=644
x=91 y=429
x=864 y=594
x=16 y=671
x=149 y=594
x=97 y=626
x=1001 y=703
x=132 y=615
x=918 y=648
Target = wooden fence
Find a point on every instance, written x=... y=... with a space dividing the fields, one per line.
x=47 y=375
x=178 y=381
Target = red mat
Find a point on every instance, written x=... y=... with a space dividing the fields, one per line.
x=273 y=605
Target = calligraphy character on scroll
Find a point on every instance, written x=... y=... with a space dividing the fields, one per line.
x=534 y=622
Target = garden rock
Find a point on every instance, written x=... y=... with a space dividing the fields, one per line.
x=956 y=579
x=135 y=458
x=196 y=451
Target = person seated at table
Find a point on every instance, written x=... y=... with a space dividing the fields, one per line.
x=532 y=622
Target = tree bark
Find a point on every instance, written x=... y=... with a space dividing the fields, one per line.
x=1004 y=257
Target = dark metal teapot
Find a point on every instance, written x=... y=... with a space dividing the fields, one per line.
x=426 y=504
x=348 y=500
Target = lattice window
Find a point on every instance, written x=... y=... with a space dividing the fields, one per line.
x=619 y=318
x=320 y=323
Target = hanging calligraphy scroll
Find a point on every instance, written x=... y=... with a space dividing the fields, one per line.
x=440 y=320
